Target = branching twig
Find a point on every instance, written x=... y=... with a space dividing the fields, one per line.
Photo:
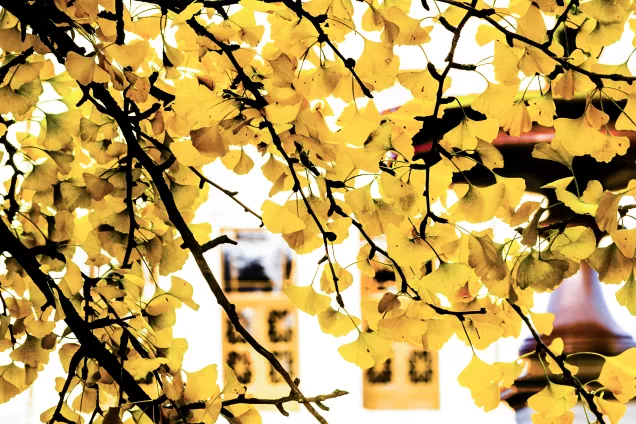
x=253 y=88
x=485 y=14
x=18 y=60
x=231 y=194
x=349 y=63
x=72 y=366
x=568 y=377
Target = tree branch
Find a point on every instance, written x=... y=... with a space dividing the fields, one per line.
x=568 y=377
x=230 y=194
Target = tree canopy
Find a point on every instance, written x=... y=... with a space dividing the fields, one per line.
x=110 y=110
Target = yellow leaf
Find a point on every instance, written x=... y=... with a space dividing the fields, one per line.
x=140 y=367
x=38 y=328
x=524 y=212
x=505 y=62
x=421 y=84
x=307 y=299
x=446 y=279
x=400 y=195
x=42 y=177
x=486 y=257
x=131 y=54
x=408 y=252
x=553 y=151
x=388 y=303
x=517 y=120
x=327 y=285
x=280 y=220
x=201 y=385
x=554 y=400
x=64 y=226
x=183 y=291
x=336 y=323
x=482 y=381
x=543 y=322
x=619 y=375
x=281 y=114
x=612 y=409
x=626 y=296
x=607 y=213
x=531 y=25
x=85 y=70
x=541 y=275
x=542 y=110
x=320 y=83
x=465 y=135
x=232 y=385
x=496 y=99
x=479 y=204
x=367 y=350
x=576 y=243
x=578 y=137
x=97 y=187
x=403 y=329
x=610 y=263
x=188 y=155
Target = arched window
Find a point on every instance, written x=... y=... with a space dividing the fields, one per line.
x=409 y=379
x=254 y=272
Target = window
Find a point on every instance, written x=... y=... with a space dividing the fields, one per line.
x=408 y=380
x=254 y=272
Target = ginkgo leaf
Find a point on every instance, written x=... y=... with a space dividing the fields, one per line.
x=505 y=62
x=542 y=110
x=319 y=83
x=209 y=141
x=188 y=155
x=578 y=137
x=607 y=212
x=619 y=375
x=85 y=70
x=543 y=322
x=232 y=385
x=446 y=279
x=367 y=350
x=626 y=295
x=280 y=220
x=553 y=151
x=97 y=187
x=496 y=99
x=576 y=243
x=612 y=409
x=183 y=291
x=388 y=303
x=465 y=135
x=539 y=274
x=201 y=385
x=517 y=120
x=490 y=156
x=610 y=263
x=403 y=328
x=336 y=323
x=307 y=299
x=486 y=257
x=327 y=285
x=478 y=204
x=524 y=212
x=408 y=252
x=554 y=400
x=625 y=240
x=421 y=84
